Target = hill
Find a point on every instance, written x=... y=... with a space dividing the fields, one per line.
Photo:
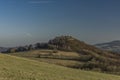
x=69 y=43
x=87 y=61
x=3 y=49
x=64 y=43
x=110 y=46
x=87 y=56
x=15 y=68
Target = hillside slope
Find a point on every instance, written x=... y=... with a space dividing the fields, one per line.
x=15 y=68
x=87 y=56
x=93 y=57
x=69 y=43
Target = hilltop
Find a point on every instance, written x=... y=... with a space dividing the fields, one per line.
x=15 y=68
x=69 y=43
x=64 y=43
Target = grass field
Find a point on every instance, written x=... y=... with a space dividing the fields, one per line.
x=32 y=55
x=16 y=68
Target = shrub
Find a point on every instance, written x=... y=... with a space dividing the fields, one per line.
x=55 y=51
x=86 y=58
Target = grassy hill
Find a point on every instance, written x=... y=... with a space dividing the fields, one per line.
x=91 y=61
x=69 y=43
x=59 y=58
x=71 y=52
x=94 y=58
x=15 y=68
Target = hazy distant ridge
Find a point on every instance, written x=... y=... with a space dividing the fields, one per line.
x=110 y=46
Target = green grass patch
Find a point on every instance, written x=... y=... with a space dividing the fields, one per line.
x=15 y=68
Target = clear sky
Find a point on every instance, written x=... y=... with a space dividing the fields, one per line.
x=30 y=21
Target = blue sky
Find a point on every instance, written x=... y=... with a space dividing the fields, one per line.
x=30 y=21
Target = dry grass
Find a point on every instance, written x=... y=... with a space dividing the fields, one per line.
x=15 y=68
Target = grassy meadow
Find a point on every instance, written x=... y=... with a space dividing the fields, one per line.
x=59 y=61
x=17 y=68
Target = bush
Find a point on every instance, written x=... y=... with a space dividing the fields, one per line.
x=89 y=65
x=86 y=58
x=55 y=51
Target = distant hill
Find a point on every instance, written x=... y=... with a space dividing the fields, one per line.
x=64 y=43
x=110 y=46
x=69 y=43
x=3 y=49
